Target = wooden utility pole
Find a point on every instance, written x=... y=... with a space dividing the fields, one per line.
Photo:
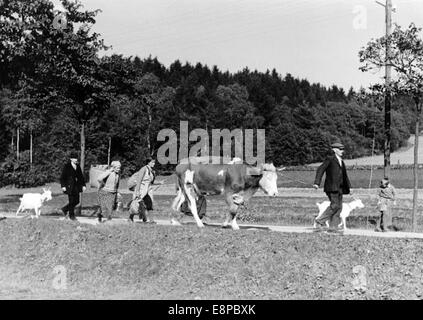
x=108 y=152
x=30 y=148
x=387 y=154
x=17 y=143
x=387 y=145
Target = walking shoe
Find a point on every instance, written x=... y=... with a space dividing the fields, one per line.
x=319 y=228
x=335 y=230
x=378 y=229
x=149 y=221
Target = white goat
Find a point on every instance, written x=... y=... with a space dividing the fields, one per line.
x=346 y=210
x=34 y=201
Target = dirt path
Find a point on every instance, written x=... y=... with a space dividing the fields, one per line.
x=254 y=227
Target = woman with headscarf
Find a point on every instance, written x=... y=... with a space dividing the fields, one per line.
x=108 y=190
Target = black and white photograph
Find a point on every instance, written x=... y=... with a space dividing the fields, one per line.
x=211 y=155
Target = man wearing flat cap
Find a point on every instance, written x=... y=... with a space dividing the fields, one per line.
x=336 y=185
x=73 y=183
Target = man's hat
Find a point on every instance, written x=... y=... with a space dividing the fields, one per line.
x=337 y=145
x=73 y=155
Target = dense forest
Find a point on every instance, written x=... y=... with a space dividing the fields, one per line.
x=58 y=95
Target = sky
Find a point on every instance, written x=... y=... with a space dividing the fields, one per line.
x=317 y=40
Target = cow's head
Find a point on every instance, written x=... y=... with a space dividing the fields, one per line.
x=268 y=181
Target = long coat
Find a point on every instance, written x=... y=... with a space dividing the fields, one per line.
x=145 y=180
x=72 y=180
x=336 y=176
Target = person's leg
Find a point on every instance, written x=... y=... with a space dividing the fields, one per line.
x=141 y=211
x=65 y=209
x=104 y=201
x=331 y=209
x=73 y=202
x=336 y=204
x=388 y=218
x=110 y=204
x=202 y=206
x=379 y=222
x=98 y=211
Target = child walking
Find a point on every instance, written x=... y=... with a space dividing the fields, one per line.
x=386 y=197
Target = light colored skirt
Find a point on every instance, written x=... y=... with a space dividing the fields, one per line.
x=384 y=204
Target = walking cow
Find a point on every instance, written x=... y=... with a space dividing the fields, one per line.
x=237 y=182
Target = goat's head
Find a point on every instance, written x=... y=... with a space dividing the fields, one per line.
x=46 y=195
x=357 y=203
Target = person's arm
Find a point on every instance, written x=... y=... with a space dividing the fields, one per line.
x=394 y=195
x=319 y=173
x=348 y=179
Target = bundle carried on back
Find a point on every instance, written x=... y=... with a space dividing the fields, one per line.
x=95 y=172
x=133 y=180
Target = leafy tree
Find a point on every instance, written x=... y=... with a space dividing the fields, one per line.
x=61 y=56
x=153 y=100
x=236 y=110
x=406 y=58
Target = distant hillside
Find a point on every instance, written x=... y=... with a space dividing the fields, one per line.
x=404 y=155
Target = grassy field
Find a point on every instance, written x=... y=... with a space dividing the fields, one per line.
x=165 y=262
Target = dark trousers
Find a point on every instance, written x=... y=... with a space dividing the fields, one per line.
x=70 y=207
x=201 y=207
x=332 y=213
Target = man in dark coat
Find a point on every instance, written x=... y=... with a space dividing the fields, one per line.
x=336 y=185
x=73 y=183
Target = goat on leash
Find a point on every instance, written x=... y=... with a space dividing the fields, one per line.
x=34 y=201
x=347 y=207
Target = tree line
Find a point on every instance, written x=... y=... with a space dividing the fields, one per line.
x=57 y=94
